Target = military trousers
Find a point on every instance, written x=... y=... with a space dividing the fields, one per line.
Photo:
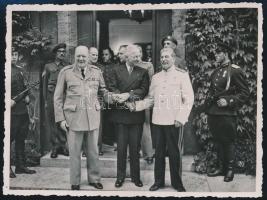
x=76 y=139
x=146 y=142
x=167 y=140
x=19 y=131
x=58 y=137
x=223 y=129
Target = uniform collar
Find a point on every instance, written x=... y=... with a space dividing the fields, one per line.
x=169 y=70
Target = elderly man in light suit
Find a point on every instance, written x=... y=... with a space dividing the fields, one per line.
x=77 y=110
x=171 y=96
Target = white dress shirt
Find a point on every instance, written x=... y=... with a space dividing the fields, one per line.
x=172 y=96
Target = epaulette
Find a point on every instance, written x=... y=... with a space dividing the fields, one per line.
x=180 y=70
x=95 y=67
x=235 y=66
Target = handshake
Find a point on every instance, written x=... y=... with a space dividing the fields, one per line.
x=122 y=98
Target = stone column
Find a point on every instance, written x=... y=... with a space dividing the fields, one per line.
x=178 y=27
x=67 y=30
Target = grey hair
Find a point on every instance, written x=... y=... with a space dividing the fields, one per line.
x=131 y=48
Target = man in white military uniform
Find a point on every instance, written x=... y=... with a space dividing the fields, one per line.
x=77 y=110
x=171 y=96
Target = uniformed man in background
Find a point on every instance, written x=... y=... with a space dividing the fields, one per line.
x=19 y=116
x=146 y=142
x=51 y=70
x=171 y=96
x=170 y=42
x=228 y=91
x=77 y=110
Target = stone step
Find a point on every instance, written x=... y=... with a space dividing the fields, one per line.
x=108 y=163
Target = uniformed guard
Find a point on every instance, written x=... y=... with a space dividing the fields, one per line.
x=171 y=96
x=19 y=116
x=77 y=110
x=228 y=91
x=51 y=70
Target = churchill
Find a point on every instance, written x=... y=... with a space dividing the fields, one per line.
x=77 y=110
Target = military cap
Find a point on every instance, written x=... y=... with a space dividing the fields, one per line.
x=59 y=46
x=169 y=38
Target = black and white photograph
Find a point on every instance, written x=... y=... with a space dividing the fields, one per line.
x=152 y=100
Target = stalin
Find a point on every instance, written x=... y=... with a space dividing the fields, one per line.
x=77 y=111
x=228 y=91
x=50 y=75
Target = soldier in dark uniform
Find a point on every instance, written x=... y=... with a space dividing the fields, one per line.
x=228 y=91
x=50 y=75
x=19 y=116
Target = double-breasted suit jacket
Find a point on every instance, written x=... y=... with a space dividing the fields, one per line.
x=76 y=99
x=137 y=84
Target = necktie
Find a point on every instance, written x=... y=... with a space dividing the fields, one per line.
x=83 y=75
x=130 y=70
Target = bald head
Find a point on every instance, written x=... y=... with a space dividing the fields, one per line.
x=81 y=56
x=93 y=55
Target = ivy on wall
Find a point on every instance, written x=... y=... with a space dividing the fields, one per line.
x=237 y=28
x=28 y=39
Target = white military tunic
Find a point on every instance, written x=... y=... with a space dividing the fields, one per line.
x=173 y=97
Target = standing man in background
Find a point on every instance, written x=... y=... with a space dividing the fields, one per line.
x=146 y=142
x=93 y=60
x=50 y=75
x=19 y=117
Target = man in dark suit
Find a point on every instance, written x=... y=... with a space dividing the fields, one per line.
x=130 y=83
x=228 y=91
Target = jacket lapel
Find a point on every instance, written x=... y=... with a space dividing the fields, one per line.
x=131 y=78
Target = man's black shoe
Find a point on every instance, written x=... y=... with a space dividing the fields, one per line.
x=149 y=160
x=138 y=183
x=63 y=151
x=180 y=189
x=155 y=187
x=75 y=187
x=217 y=172
x=32 y=163
x=96 y=185
x=53 y=153
x=12 y=174
x=101 y=153
x=229 y=176
x=24 y=170
x=119 y=183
